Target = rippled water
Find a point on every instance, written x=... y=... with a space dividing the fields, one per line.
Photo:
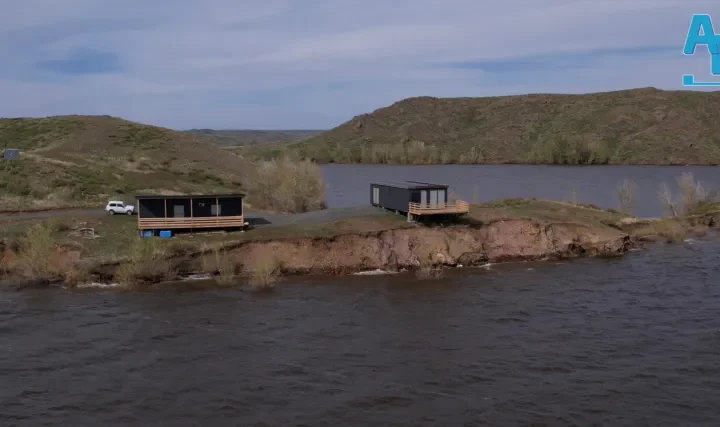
x=633 y=341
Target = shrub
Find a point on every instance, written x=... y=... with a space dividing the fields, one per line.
x=287 y=185
x=146 y=262
x=220 y=264
x=265 y=271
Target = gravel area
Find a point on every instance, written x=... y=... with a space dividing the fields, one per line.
x=256 y=219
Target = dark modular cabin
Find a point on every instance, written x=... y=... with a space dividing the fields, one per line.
x=162 y=213
x=415 y=198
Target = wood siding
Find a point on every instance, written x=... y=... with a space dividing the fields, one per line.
x=456 y=207
x=191 y=223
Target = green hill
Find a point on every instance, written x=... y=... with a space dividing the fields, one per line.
x=252 y=137
x=85 y=160
x=639 y=126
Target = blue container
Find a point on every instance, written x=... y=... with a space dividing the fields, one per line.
x=165 y=233
x=146 y=233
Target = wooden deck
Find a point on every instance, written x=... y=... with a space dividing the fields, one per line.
x=191 y=223
x=456 y=207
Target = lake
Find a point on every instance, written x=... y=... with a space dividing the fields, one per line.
x=349 y=184
x=631 y=341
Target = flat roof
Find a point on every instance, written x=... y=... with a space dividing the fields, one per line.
x=189 y=196
x=411 y=185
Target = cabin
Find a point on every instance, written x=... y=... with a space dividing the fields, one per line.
x=416 y=199
x=164 y=215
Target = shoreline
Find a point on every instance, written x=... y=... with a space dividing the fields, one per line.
x=504 y=231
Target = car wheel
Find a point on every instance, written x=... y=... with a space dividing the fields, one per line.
x=112 y=212
x=129 y=212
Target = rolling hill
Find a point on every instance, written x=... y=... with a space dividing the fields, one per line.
x=252 y=137
x=72 y=161
x=639 y=126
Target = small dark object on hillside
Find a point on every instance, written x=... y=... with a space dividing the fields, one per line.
x=10 y=153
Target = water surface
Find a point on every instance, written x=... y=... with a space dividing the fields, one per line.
x=633 y=341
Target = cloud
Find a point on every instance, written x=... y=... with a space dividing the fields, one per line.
x=317 y=63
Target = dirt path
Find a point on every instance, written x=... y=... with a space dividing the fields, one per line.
x=255 y=218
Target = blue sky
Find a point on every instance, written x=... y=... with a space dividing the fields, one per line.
x=297 y=64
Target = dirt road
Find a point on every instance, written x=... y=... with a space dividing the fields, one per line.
x=255 y=218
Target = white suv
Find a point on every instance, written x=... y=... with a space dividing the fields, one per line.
x=115 y=207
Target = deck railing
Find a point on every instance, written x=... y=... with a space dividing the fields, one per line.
x=200 y=222
x=455 y=207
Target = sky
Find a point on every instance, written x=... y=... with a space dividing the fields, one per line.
x=313 y=64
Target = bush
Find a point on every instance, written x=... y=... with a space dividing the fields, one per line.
x=146 y=262
x=38 y=255
x=265 y=271
x=287 y=185
x=221 y=265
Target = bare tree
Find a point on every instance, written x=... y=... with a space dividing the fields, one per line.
x=626 y=192
x=668 y=200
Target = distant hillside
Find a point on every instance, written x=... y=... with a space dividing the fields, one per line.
x=85 y=160
x=251 y=137
x=639 y=126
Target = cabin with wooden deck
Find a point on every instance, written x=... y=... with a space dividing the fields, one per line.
x=164 y=215
x=416 y=199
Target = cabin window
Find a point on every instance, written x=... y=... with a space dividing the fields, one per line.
x=376 y=195
x=433 y=198
x=179 y=211
x=423 y=197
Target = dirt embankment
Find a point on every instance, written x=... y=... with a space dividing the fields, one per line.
x=503 y=240
x=396 y=249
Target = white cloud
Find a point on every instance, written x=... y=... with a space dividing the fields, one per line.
x=316 y=63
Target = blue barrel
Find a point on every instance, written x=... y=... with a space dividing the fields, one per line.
x=165 y=233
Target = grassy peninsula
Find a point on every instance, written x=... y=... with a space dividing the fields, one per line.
x=640 y=126
x=83 y=161
x=77 y=250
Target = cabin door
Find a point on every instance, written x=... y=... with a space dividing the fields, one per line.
x=179 y=211
x=433 y=198
x=376 y=195
x=423 y=198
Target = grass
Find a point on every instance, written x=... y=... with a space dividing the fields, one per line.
x=639 y=126
x=232 y=138
x=547 y=211
x=84 y=161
